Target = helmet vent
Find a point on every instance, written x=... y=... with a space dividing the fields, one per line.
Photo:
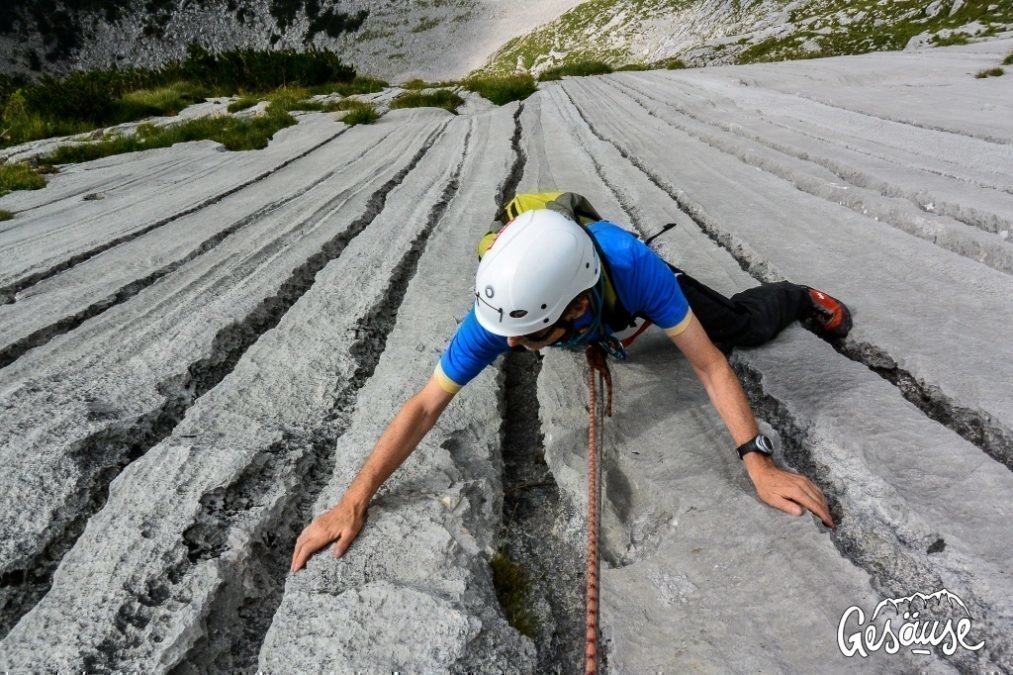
x=489 y=292
x=518 y=313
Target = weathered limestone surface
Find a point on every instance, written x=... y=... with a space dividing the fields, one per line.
x=413 y=592
x=176 y=403
x=87 y=207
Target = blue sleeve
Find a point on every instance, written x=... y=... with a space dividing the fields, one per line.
x=471 y=349
x=644 y=282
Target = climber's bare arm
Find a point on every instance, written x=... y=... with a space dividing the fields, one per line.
x=344 y=521
x=782 y=489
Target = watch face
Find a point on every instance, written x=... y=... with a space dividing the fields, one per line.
x=764 y=444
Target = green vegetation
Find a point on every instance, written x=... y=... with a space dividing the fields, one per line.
x=671 y=64
x=820 y=28
x=415 y=84
x=581 y=68
x=332 y=22
x=634 y=66
x=299 y=98
x=442 y=98
x=232 y=132
x=19 y=177
x=989 y=72
x=512 y=584
x=951 y=39
x=426 y=24
x=360 y=112
x=1008 y=61
x=359 y=85
x=243 y=103
x=167 y=100
x=570 y=33
x=83 y=101
x=874 y=27
x=502 y=90
x=5 y=215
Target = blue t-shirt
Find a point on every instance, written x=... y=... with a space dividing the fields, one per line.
x=644 y=283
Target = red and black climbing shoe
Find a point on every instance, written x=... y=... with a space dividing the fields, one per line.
x=830 y=317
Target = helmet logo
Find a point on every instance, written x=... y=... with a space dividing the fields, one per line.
x=518 y=313
x=489 y=292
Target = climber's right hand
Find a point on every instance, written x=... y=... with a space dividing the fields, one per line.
x=339 y=525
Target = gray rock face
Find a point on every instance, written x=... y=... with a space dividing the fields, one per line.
x=198 y=363
x=395 y=40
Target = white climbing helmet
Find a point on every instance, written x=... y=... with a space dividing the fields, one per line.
x=538 y=263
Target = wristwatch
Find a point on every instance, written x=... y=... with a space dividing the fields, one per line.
x=759 y=444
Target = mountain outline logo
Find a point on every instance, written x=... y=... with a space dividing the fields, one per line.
x=917 y=632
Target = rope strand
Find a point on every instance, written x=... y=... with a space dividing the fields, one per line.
x=598 y=366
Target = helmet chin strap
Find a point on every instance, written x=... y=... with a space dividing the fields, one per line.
x=572 y=338
x=608 y=342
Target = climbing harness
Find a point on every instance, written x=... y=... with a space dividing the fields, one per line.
x=597 y=411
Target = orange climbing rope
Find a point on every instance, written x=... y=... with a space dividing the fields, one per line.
x=598 y=366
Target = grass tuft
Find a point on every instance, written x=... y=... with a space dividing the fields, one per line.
x=511 y=584
x=579 y=69
x=359 y=112
x=444 y=98
x=160 y=101
x=5 y=215
x=1008 y=61
x=243 y=103
x=415 y=84
x=989 y=72
x=951 y=39
x=502 y=90
x=634 y=66
x=19 y=176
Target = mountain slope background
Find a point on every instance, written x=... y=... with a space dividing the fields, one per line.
x=439 y=39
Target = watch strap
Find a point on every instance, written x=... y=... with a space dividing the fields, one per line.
x=759 y=444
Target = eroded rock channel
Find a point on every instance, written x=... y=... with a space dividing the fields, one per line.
x=541 y=534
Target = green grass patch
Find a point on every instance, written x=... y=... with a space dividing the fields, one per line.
x=5 y=215
x=989 y=72
x=502 y=90
x=512 y=590
x=292 y=98
x=579 y=69
x=671 y=64
x=951 y=39
x=243 y=103
x=426 y=24
x=1008 y=61
x=443 y=98
x=19 y=176
x=233 y=133
x=359 y=112
x=415 y=84
x=360 y=85
x=160 y=101
x=634 y=66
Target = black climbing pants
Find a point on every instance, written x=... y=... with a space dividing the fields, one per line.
x=746 y=319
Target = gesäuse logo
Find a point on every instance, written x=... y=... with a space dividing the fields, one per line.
x=920 y=622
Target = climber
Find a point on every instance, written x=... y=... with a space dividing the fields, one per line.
x=557 y=274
